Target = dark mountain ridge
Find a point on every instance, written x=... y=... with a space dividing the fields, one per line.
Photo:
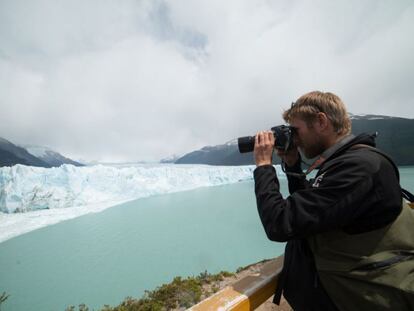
x=11 y=154
x=49 y=156
x=395 y=137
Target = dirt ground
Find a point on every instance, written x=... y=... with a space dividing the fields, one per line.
x=269 y=305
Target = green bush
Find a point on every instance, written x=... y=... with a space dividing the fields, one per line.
x=180 y=293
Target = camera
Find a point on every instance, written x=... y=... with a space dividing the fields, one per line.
x=283 y=139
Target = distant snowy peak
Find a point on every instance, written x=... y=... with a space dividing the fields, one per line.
x=231 y=142
x=49 y=156
x=170 y=159
x=4 y=141
x=11 y=154
x=38 y=151
x=369 y=117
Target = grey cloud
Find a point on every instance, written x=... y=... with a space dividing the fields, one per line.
x=140 y=80
x=161 y=26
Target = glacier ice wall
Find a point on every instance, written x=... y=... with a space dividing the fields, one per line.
x=52 y=195
x=26 y=188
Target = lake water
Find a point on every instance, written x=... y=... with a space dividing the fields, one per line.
x=101 y=258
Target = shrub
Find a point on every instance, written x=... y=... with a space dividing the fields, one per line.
x=180 y=293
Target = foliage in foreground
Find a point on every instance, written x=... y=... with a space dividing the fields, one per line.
x=179 y=294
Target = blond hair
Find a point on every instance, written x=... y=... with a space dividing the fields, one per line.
x=309 y=105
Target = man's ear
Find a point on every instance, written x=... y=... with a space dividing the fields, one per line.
x=322 y=120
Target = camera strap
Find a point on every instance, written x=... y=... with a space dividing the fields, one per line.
x=314 y=165
x=318 y=162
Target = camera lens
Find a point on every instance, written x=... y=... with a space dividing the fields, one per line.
x=246 y=144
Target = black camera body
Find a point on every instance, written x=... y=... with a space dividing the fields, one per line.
x=283 y=139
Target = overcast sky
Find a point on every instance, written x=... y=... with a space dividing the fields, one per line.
x=141 y=80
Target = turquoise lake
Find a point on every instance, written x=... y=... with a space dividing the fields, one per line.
x=102 y=258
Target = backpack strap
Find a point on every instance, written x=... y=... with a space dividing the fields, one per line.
x=407 y=195
x=360 y=146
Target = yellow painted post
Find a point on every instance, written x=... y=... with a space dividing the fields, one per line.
x=247 y=293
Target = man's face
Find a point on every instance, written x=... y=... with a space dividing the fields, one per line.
x=307 y=138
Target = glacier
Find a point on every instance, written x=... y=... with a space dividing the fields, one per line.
x=33 y=197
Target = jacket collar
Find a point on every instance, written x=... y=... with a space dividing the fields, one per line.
x=349 y=141
x=339 y=144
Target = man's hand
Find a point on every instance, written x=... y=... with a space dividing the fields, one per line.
x=263 y=148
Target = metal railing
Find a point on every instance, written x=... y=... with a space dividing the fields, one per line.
x=246 y=294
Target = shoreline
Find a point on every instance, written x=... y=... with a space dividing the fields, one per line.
x=183 y=293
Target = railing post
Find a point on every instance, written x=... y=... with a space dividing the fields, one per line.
x=246 y=294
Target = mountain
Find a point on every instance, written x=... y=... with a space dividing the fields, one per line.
x=11 y=154
x=226 y=154
x=49 y=156
x=395 y=137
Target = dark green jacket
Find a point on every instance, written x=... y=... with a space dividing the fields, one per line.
x=369 y=271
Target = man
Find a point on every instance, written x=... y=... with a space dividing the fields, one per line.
x=350 y=244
